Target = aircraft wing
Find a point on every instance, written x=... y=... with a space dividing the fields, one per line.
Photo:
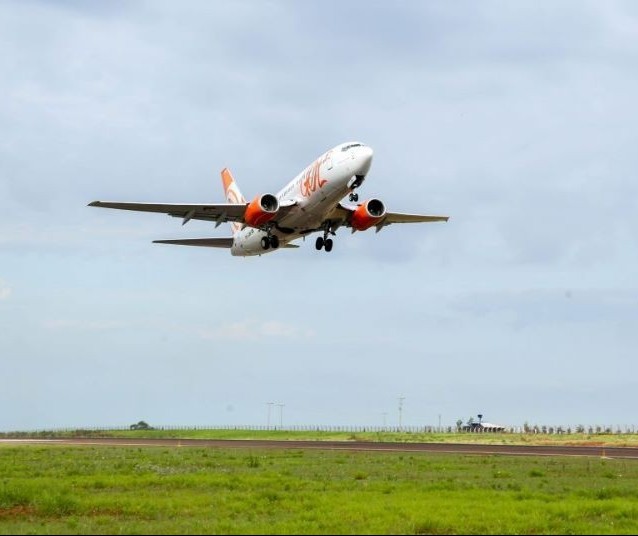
x=344 y=213
x=398 y=217
x=206 y=242
x=218 y=212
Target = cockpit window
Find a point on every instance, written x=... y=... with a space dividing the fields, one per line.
x=350 y=146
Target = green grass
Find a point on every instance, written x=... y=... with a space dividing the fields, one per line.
x=117 y=490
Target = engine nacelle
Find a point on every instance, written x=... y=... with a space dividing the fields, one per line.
x=367 y=214
x=261 y=210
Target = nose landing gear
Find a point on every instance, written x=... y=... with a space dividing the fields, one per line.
x=353 y=184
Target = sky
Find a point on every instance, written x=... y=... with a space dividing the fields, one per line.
x=517 y=120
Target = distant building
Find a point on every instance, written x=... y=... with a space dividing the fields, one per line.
x=483 y=427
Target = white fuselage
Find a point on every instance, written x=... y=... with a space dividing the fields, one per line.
x=315 y=192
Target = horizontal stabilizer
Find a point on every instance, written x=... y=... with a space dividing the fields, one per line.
x=207 y=242
x=201 y=242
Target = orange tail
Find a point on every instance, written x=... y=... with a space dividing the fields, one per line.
x=232 y=192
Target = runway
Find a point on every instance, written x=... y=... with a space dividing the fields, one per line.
x=441 y=448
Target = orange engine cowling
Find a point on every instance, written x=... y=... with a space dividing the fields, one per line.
x=367 y=214
x=261 y=210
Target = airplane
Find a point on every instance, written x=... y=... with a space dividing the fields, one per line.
x=312 y=202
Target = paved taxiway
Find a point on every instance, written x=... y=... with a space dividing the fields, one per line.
x=450 y=448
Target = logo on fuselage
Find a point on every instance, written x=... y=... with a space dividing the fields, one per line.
x=311 y=181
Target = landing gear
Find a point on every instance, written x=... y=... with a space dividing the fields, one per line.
x=270 y=241
x=354 y=197
x=323 y=242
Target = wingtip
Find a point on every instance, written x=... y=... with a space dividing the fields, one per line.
x=93 y=204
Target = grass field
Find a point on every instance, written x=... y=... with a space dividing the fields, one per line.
x=117 y=490
x=617 y=440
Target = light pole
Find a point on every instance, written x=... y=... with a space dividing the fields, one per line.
x=269 y=404
x=384 y=420
x=401 y=399
x=281 y=415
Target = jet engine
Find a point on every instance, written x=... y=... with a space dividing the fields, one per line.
x=261 y=210
x=367 y=214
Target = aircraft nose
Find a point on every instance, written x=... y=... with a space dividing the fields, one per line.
x=364 y=158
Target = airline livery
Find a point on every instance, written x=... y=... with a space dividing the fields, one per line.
x=313 y=202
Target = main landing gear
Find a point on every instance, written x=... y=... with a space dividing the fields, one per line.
x=270 y=241
x=323 y=242
x=354 y=197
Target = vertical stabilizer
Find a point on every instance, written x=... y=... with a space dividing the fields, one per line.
x=232 y=192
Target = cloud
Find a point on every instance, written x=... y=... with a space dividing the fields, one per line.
x=5 y=290
x=81 y=325
x=250 y=330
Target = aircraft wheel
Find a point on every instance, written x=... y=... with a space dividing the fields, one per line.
x=319 y=243
x=354 y=197
x=274 y=241
x=265 y=243
x=328 y=245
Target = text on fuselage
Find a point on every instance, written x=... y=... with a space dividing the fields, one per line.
x=310 y=181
